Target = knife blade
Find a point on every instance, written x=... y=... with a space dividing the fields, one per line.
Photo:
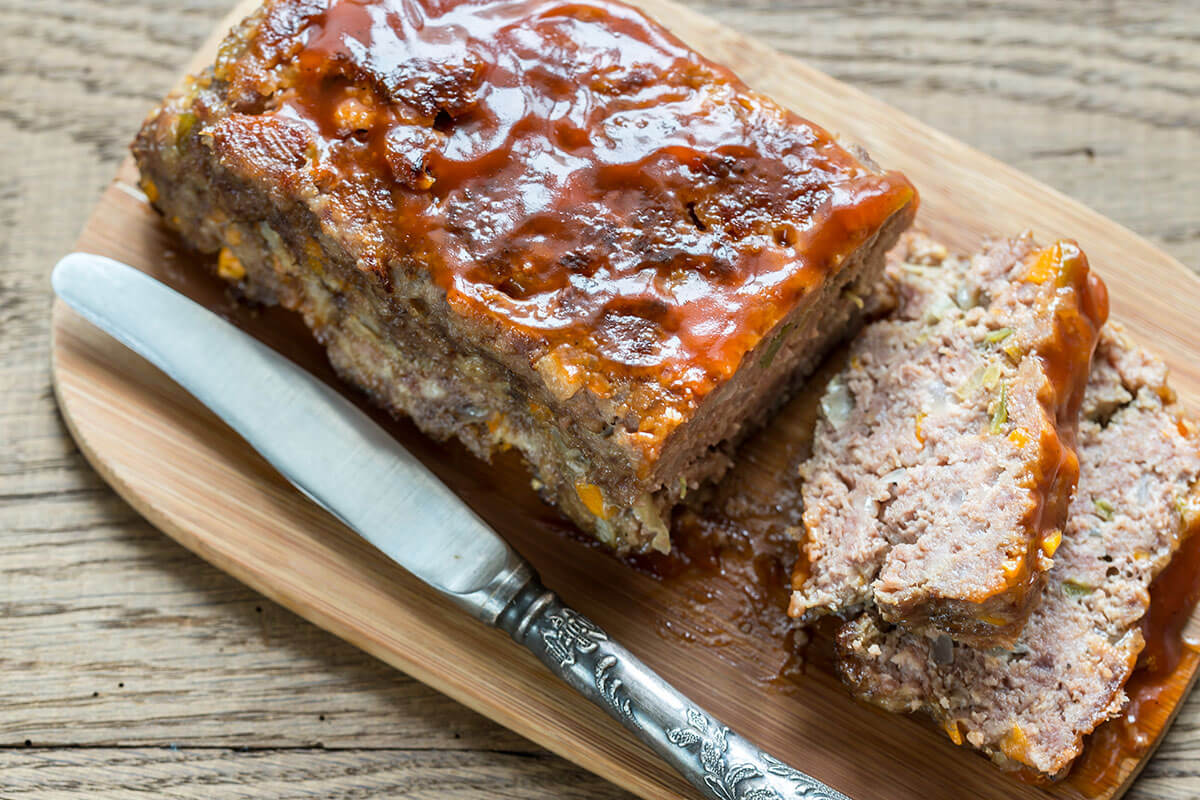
x=337 y=456
x=319 y=441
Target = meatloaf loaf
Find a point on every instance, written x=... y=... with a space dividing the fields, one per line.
x=943 y=458
x=532 y=224
x=1138 y=498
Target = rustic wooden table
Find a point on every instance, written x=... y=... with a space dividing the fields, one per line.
x=128 y=667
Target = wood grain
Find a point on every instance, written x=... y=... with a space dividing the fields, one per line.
x=195 y=481
x=203 y=773
x=75 y=78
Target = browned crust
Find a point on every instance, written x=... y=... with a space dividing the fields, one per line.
x=235 y=183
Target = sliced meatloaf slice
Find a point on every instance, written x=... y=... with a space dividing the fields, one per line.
x=1138 y=498
x=527 y=223
x=943 y=458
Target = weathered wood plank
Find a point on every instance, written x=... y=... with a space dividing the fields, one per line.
x=201 y=774
x=1091 y=97
x=1095 y=98
x=114 y=635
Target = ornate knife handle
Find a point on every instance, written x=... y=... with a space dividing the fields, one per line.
x=721 y=764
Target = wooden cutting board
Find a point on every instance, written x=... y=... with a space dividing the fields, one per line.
x=703 y=618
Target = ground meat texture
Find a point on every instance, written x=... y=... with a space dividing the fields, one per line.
x=531 y=224
x=944 y=455
x=1138 y=497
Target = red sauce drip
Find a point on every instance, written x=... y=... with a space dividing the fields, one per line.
x=1156 y=687
x=1076 y=310
x=570 y=174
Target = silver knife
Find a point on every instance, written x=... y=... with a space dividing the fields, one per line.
x=343 y=461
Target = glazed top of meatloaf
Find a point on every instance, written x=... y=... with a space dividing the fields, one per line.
x=626 y=212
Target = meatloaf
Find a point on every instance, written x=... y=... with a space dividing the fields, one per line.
x=1138 y=498
x=532 y=224
x=943 y=459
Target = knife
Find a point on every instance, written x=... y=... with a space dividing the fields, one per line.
x=345 y=463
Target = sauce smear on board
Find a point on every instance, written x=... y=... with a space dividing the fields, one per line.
x=1161 y=676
